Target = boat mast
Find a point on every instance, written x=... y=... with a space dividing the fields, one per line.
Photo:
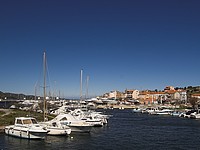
x=44 y=88
x=35 y=88
x=81 y=85
x=87 y=86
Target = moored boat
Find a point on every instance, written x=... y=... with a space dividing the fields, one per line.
x=150 y=110
x=96 y=119
x=164 y=112
x=195 y=115
x=175 y=113
x=137 y=110
x=55 y=128
x=26 y=127
x=74 y=123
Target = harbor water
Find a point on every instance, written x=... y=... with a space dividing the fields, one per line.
x=125 y=130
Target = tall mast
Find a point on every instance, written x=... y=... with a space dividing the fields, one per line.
x=44 y=88
x=81 y=86
x=87 y=86
x=35 y=88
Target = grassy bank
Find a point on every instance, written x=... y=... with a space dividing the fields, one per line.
x=7 y=116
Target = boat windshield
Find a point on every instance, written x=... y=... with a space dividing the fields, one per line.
x=19 y=121
x=27 y=121
x=34 y=121
x=63 y=119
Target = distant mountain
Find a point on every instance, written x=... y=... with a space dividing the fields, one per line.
x=15 y=96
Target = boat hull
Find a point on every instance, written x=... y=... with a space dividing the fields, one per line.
x=137 y=110
x=25 y=133
x=58 y=131
x=80 y=129
x=195 y=116
x=95 y=123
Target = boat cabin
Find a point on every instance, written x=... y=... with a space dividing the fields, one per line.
x=25 y=121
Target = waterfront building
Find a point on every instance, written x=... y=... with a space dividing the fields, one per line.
x=178 y=95
x=115 y=95
x=169 y=94
x=151 y=97
x=172 y=94
x=131 y=94
x=183 y=95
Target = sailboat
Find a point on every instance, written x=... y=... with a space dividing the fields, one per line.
x=54 y=128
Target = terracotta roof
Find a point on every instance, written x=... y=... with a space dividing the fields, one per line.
x=196 y=94
x=145 y=93
x=171 y=91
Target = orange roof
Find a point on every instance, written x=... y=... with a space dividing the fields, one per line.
x=145 y=93
x=196 y=94
x=171 y=91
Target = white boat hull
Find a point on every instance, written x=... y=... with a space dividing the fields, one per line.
x=25 y=132
x=94 y=123
x=162 y=113
x=137 y=110
x=80 y=129
x=195 y=116
x=58 y=131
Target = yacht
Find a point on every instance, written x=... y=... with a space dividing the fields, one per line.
x=55 y=128
x=137 y=110
x=175 y=113
x=195 y=115
x=93 y=118
x=187 y=114
x=150 y=110
x=26 y=127
x=164 y=112
x=76 y=125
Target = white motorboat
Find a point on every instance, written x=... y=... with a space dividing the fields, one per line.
x=175 y=113
x=55 y=128
x=74 y=123
x=26 y=127
x=93 y=118
x=104 y=118
x=195 y=115
x=150 y=110
x=137 y=110
x=164 y=112
x=187 y=114
x=95 y=122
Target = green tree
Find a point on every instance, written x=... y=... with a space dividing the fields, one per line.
x=193 y=101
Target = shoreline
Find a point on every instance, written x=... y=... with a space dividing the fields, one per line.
x=2 y=129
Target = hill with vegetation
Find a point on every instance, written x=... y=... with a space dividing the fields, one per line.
x=14 y=96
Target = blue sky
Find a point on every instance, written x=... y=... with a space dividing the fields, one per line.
x=119 y=44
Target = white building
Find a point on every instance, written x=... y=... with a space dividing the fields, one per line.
x=132 y=94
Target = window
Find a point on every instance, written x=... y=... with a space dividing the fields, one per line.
x=27 y=121
x=19 y=121
x=34 y=121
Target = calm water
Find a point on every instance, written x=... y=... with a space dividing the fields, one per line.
x=125 y=130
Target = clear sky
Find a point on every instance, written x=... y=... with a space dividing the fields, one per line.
x=119 y=44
